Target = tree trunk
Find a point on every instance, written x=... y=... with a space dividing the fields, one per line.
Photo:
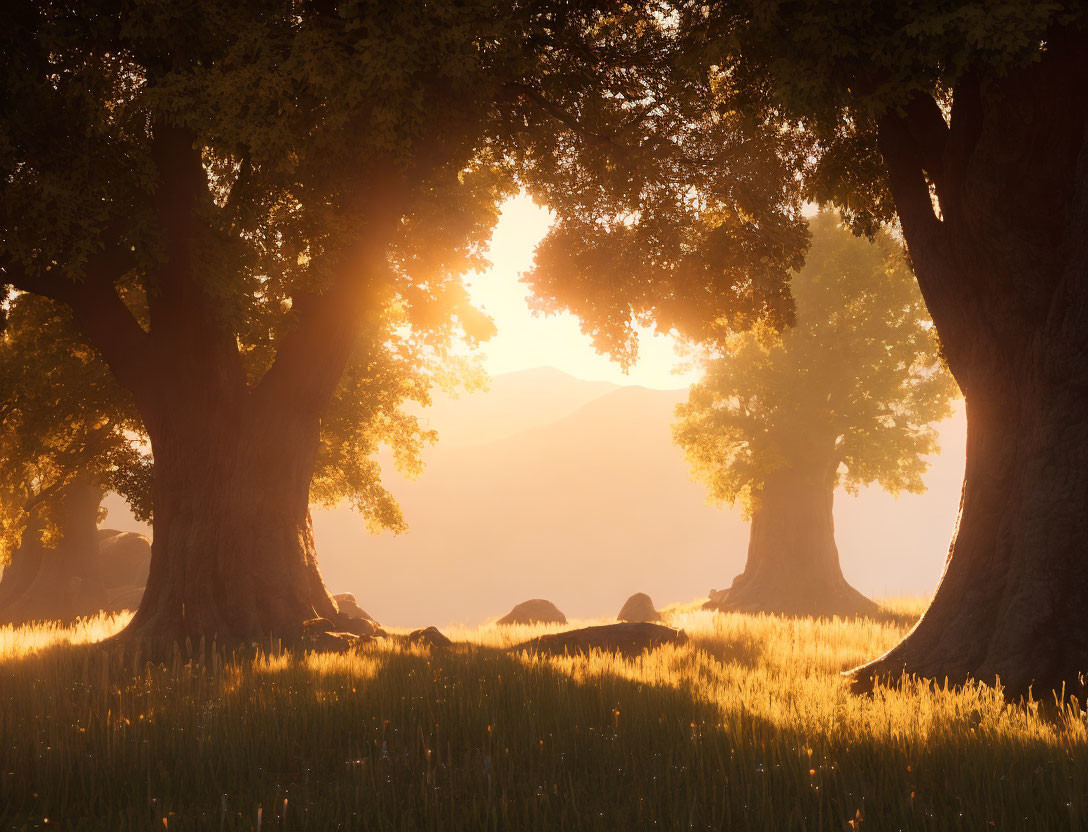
x=234 y=445
x=793 y=562
x=1004 y=272
x=1011 y=603
x=233 y=551
x=58 y=584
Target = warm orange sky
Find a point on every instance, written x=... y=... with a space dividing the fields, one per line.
x=524 y=340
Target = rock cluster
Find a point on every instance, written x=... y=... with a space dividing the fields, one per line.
x=717 y=599
x=320 y=635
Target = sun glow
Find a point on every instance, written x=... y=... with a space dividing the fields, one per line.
x=525 y=340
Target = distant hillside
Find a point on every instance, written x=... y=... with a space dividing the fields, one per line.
x=513 y=403
x=589 y=508
x=584 y=511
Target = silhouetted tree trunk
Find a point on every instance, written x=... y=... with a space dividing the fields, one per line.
x=233 y=551
x=1004 y=272
x=793 y=562
x=62 y=583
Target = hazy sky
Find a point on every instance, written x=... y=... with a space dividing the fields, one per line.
x=525 y=340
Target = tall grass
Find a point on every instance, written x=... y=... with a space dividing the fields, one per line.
x=746 y=727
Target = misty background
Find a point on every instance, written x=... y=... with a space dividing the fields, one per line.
x=551 y=486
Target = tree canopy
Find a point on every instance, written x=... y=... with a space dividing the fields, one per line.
x=670 y=210
x=256 y=146
x=855 y=385
x=691 y=216
x=216 y=177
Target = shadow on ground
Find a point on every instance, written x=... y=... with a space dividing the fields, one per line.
x=472 y=738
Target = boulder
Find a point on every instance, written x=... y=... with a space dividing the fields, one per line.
x=431 y=636
x=346 y=603
x=318 y=625
x=536 y=611
x=319 y=641
x=639 y=608
x=629 y=639
x=359 y=626
x=123 y=558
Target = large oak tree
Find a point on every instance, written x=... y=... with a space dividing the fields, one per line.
x=845 y=397
x=237 y=201
x=253 y=208
x=966 y=123
x=69 y=433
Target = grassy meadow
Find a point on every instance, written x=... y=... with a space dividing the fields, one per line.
x=747 y=727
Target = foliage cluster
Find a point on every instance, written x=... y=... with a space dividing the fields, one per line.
x=62 y=417
x=854 y=387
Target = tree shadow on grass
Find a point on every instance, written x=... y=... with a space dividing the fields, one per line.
x=743 y=649
x=476 y=738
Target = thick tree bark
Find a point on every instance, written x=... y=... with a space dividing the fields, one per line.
x=1011 y=603
x=1004 y=271
x=59 y=584
x=793 y=562
x=233 y=552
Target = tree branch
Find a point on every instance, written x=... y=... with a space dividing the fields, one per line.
x=655 y=144
x=516 y=91
x=927 y=127
x=114 y=332
x=73 y=464
x=947 y=294
x=965 y=127
x=323 y=327
x=48 y=285
x=99 y=312
x=238 y=187
x=906 y=176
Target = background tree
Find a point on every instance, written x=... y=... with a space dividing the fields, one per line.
x=846 y=396
x=965 y=123
x=67 y=433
